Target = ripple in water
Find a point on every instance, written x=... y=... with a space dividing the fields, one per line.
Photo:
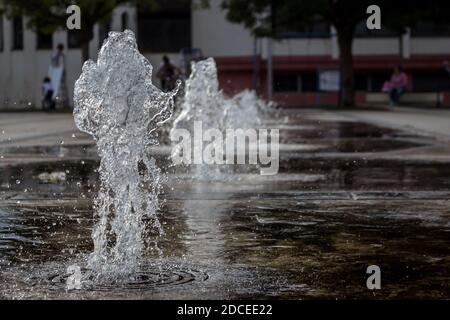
x=148 y=277
x=116 y=103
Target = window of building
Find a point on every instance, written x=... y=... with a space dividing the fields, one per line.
x=361 y=31
x=1 y=33
x=315 y=30
x=286 y=83
x=309 y=82
x=429 y=81
x=124 y=21
x=74 y=39
x=303 y=82
x=44 y=40
x=429 y=29
x=364 y=81
x=371 y=81
x=361 y=81
x=377 y=79
x=166 y=28
x=17 y=33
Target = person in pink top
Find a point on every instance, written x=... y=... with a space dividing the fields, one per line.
x=397 y=85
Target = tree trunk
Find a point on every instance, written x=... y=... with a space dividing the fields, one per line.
x=87 y=34
x=85 y=51
x=347 y=91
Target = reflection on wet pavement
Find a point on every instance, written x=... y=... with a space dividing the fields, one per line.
x=308 y=232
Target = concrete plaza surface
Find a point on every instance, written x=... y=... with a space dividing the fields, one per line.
x=355 y=188
x=35 y=127
x=44 y=129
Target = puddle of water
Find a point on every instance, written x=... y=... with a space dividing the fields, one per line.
x=81 y=179
x=341 y=129
x=309 y=232
x=231 y=248
x=51 y=151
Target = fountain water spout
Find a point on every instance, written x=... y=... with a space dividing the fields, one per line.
x=116 y=102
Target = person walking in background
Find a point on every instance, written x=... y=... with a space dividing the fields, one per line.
x=58 y=58
x=397 y=85
x=57 y=75
x=168 y=74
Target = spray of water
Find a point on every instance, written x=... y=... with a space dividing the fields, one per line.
x=246 y=110
x=116 y=102
x=204 y=102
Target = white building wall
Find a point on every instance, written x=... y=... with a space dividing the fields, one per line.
x=217 y=37
x=430 y=46
x=376 y=46
x=22 y=71
x=303 y=47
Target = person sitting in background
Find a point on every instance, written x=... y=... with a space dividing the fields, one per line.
x=397 y=85
x=446 y=66
x=47 y=93
x=168 y=73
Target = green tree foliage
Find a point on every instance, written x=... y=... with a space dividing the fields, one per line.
x=49 y=15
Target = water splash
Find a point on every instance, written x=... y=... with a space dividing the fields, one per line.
x=204 y=102
x=116 y=102
x=246 y=110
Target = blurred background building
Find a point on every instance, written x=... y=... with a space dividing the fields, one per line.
x=299 y=59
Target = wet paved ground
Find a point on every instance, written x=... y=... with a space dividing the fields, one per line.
x=349 y=194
